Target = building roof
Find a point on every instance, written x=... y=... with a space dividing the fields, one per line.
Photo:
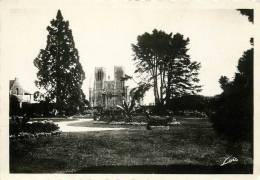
x=16 y=84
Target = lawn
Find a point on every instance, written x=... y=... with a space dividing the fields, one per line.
x=192 y=147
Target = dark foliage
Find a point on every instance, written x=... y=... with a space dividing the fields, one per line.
x=249 y=13
x=192 y=103
x=14 y=106
x=42 y=109
x=16 y=124
x=234 y=113
x=187 y=105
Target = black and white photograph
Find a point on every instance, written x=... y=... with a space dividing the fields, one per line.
x=127 y=87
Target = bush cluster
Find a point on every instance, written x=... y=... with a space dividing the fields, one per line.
x=20 y=124
x=170 y=111
x=195 y=113
x=233 y=117
x=159 y=121
x=41 y=109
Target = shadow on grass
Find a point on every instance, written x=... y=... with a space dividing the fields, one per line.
x=169 y=169
x=43 y=165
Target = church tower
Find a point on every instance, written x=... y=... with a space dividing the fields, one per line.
x=119 y=83
x=100 y=76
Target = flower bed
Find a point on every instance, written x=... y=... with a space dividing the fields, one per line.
x=26 y=135
x=127 y=123
x=40 y=127
x=160 y=127
x=115 y=117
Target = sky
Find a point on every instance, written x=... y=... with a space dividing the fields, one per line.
x=103 y=36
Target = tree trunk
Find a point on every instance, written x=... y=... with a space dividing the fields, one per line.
x=161 y=88
x=156 y=88
x=168 y=89
x=157 y=101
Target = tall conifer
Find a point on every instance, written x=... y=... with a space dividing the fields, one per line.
x=60 y=72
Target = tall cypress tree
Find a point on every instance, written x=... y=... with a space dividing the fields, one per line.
x=60 y=72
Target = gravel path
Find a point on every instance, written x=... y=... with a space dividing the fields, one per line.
x=65 y=126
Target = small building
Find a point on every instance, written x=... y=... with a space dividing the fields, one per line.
x=18 y=91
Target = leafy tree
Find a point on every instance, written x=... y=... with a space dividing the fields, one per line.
x=182 y=76
x=60 y=72
x=38 y=96
x=249 y=13
x=163 y=59
x=138 y=92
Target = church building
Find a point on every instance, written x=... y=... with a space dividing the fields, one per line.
x=108 y=93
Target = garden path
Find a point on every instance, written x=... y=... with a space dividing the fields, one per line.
x=66 y=126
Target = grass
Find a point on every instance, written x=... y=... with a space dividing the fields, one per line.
x=193 y=144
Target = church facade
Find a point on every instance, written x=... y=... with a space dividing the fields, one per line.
x=108 y=93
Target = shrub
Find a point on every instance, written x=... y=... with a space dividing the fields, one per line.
x=195 y=113
x=112 y=114
x=127 y=109
x=191 y=103
x=234 y=118
x=17 y=123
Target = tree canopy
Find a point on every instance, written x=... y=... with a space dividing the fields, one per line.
x=162 y=59
x=60 y=72
x=234 y=114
